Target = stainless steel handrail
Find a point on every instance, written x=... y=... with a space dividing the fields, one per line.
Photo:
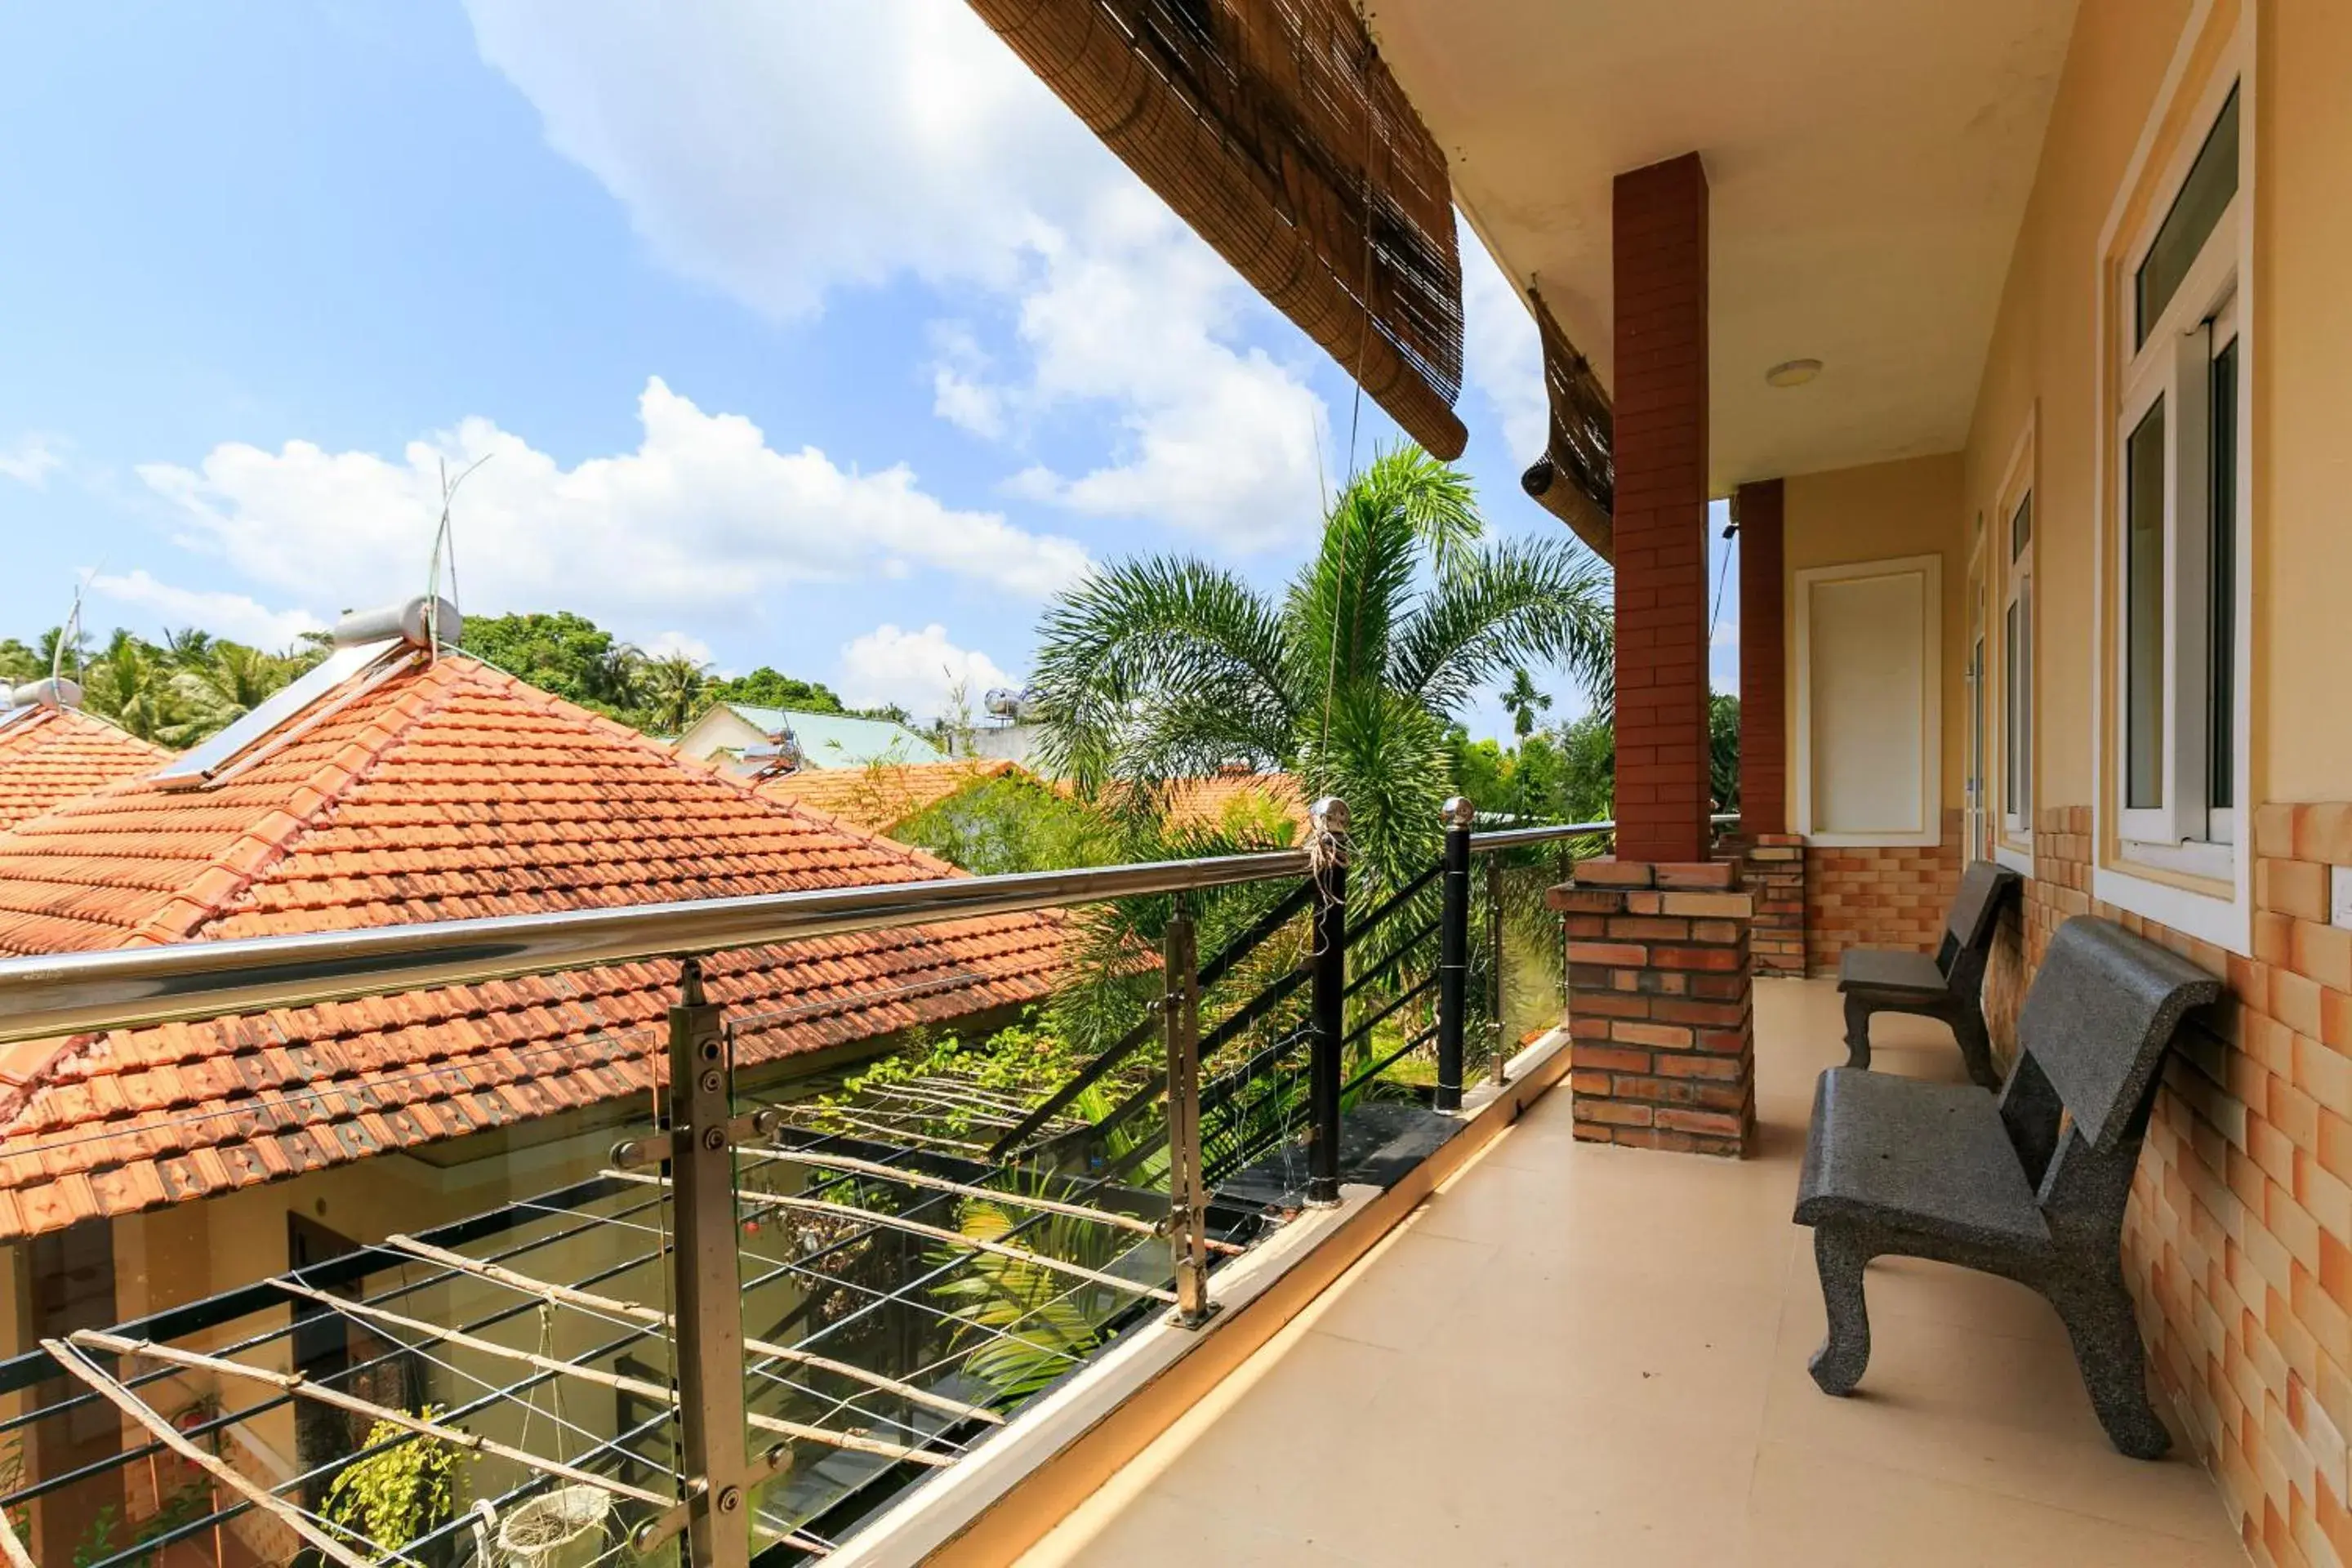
x=1552 y=832
x=127 y=988
x=134 y=988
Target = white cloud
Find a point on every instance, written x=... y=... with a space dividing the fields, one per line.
x=704 y=518
x=777 y=151
x=668 y=645
x=1215 y=439
x=782 y=152
x=235 y=617
x=30 y=460
x=918 y=671
x=1501 y=354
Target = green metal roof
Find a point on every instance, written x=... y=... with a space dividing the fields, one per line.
x=839 y=741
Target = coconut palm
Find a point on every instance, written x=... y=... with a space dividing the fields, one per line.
x=673 y=688
x=1523 y=702
x=130 y=685
x=1166 y=666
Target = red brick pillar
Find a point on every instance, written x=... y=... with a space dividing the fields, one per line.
x=1774 y=860
x=1659 y=236
x=1763 y=664
x=1664 y=1040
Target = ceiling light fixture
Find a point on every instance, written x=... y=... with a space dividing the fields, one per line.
x=1794 y=372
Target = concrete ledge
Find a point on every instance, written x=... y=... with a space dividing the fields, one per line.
x=1000 y=1501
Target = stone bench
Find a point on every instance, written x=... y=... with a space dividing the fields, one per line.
x=1949 y=986
x=2030 y=1185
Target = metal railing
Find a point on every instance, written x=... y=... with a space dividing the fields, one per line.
x=700 y=1128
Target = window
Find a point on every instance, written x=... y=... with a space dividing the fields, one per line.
x=2179 y=432
x=2017 y=677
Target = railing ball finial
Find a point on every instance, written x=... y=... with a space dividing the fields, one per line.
x=1457 y=812
x=1329 y=815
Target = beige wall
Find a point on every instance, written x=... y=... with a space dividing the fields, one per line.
x=2303 y=400
x=1876 y=514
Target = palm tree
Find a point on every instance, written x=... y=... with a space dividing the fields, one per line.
x=1166 y=666
x=228 y=679
x=1525 y=702
x=673 y=688
x=129 y=684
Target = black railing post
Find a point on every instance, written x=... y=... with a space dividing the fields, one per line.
x=1452 y=950
x=1328 y=840
x=1186 y=1187
x=708 y=1284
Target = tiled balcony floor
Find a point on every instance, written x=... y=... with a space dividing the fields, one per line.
x=1577 y=1354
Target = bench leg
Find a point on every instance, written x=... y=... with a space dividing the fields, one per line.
x=1976 y=1047
x=1857 y=1032
x=2099 y=1318
x=1845 y=1355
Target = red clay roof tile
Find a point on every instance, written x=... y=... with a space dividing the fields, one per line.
x=447 y=792
x=57 y=755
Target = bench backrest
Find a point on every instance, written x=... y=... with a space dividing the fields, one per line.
x=1975 y=909
x=2097 y=1018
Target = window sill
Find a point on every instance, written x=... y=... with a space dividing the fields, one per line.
x=2220 y=912
x=2018 y=861
x=2213 y=863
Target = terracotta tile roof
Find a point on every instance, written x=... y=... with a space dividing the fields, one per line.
x=1214 y=801
x=449 y=791
x=880 y=797
x=51 y=755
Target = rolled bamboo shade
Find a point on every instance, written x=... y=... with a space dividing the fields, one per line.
x=1276 y=131
x=1576 y=478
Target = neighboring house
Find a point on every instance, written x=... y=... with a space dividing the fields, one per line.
x=879 y=798
x=1021 y=742
x=746 y=740
x=148 y=1167
x=49 y=754
x=1236 y=799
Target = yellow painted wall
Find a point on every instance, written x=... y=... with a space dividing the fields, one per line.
x=2040 y=363
x=2303 y=399
x=1876 y=513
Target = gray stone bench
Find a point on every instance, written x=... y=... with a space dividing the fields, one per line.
x=1949 y=986
x=2030 y=1185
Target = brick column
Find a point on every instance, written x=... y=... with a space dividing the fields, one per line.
x=1658 y=219
x=1773 y=866
x=1659 y=1006
x=1763 y=664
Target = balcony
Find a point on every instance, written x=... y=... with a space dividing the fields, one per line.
x=1574 y=1354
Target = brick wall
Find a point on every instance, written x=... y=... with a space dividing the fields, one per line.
x=2238 y=1243
x=1661 y=1010
x=1773 y=868
x=1763 y=662
x=1890 y=896
x=1658 y=219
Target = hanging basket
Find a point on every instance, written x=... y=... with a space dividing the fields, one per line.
x=562 y=1529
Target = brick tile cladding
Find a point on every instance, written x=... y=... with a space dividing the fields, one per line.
x=1661 y=1016
x=1773 y=868
x=1659 y=244
x=1879 y=896
x=2237 y=1246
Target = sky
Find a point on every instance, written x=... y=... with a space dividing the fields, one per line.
x=815 y=334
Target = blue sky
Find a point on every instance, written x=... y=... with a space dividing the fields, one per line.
x=816 y=335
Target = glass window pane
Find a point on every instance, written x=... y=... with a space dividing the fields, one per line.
x=2023 y=722
x=2204 y=196
x=2020 y=529
x=2143 y=613
x=2009 y=711
x=2221 y=578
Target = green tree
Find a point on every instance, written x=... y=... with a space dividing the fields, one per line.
x=18 y=663
x=1523 y=702
x=132 y=683
x=1167 y=667
x=1722 y=750
x=674 y=689
x=767 y=687
x=562 y=652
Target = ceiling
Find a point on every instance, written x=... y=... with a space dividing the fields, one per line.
x=1869 y=162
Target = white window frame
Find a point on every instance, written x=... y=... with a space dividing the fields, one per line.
x=2175 y=863
x=1931 y=759
x=2014 y=694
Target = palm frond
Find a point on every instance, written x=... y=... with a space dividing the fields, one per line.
x=1519 y=602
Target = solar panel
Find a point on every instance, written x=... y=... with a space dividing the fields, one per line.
x=201 y=763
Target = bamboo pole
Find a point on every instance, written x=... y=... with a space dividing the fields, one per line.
x=295 y=1384
x=164 y=1431
x=12 y=1551
x=952 y=1237
x=1127 y=1222
x=637 y=1312
x=631 y=1386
